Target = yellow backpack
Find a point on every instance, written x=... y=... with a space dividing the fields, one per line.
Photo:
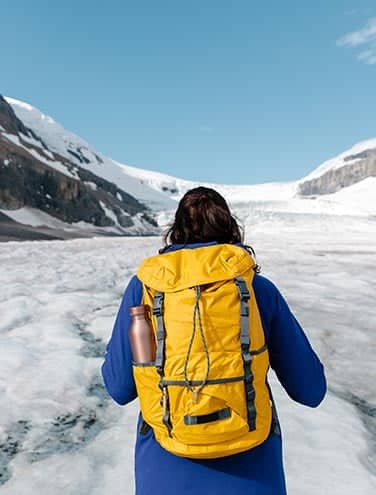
x=206 y=395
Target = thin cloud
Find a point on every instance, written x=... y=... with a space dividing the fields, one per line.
x=366 y=37
x=368 y=56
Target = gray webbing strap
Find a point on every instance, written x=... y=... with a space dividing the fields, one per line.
x=245 y=346
x=161 y=333
x=160 y=357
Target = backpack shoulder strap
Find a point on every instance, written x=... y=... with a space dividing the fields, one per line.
x=158 y=310
x=245 y=349
x=161 y=332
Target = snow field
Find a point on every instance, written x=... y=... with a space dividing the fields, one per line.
x=62 y=432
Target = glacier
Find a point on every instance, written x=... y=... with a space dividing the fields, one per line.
x=61 y=433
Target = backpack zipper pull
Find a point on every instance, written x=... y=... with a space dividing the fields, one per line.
x=195 y=396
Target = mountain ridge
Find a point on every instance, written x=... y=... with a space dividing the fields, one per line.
x=44 y=167
x=33 y=175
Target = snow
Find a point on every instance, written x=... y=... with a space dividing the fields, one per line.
x=92 y=185
x=51 y=163
x=53 y=134
x=38 y=218
x=161 y=191
x=60 y=432
x=338 y=161
x=61 y=141
x=272 y=197
x=158 y=191
x=36 y=143
x=22 y=105
x=109 y=213
x=237 y=193
x=361 y=197
x=34 y=217
x=58 y=308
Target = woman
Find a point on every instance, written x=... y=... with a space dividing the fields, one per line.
x=203 y=218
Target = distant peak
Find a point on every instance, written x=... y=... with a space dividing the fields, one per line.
x=13 y=101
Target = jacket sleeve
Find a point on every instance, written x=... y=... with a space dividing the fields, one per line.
x=117 y=367
x=291 y=355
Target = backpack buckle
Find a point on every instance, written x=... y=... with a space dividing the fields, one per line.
x=247 y=358
x=243 y=289
x=244 y=310
x=157 y=311
x=244 y=296
x=158 y=304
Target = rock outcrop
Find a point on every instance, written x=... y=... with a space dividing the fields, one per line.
x=362 y=165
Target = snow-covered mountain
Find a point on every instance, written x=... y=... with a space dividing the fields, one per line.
x=75 y=149
x=355 y=165
x=49 y=176
x=352 y=191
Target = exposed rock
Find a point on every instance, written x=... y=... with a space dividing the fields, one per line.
x=12 y=124
x=34 y=176
x=336 y=179
x=9 y=121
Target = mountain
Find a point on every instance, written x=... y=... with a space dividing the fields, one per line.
x=72 y=147
x=48 y=173
x=353 y=193
x=349 y=168
x=55 y=185
x=345 y=184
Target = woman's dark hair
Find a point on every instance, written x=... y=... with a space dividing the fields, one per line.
x=203 y=216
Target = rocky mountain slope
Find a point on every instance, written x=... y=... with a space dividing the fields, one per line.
x=34 y=175
x=78 y=151
x=52 y=179
x=353 y=166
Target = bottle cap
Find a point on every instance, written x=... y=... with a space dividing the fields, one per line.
x=138 y=310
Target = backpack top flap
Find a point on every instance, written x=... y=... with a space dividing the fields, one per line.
x=186 y=268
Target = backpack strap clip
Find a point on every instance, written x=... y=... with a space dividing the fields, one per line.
x=243 y=289
x=158 y=304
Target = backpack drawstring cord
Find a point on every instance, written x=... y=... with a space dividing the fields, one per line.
x=197 y=313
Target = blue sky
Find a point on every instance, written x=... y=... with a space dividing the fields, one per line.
x=224 y=91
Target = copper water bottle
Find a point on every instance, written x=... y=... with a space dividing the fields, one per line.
x=141 y=335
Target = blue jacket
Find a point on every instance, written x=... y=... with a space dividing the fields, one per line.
x=258 y=471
